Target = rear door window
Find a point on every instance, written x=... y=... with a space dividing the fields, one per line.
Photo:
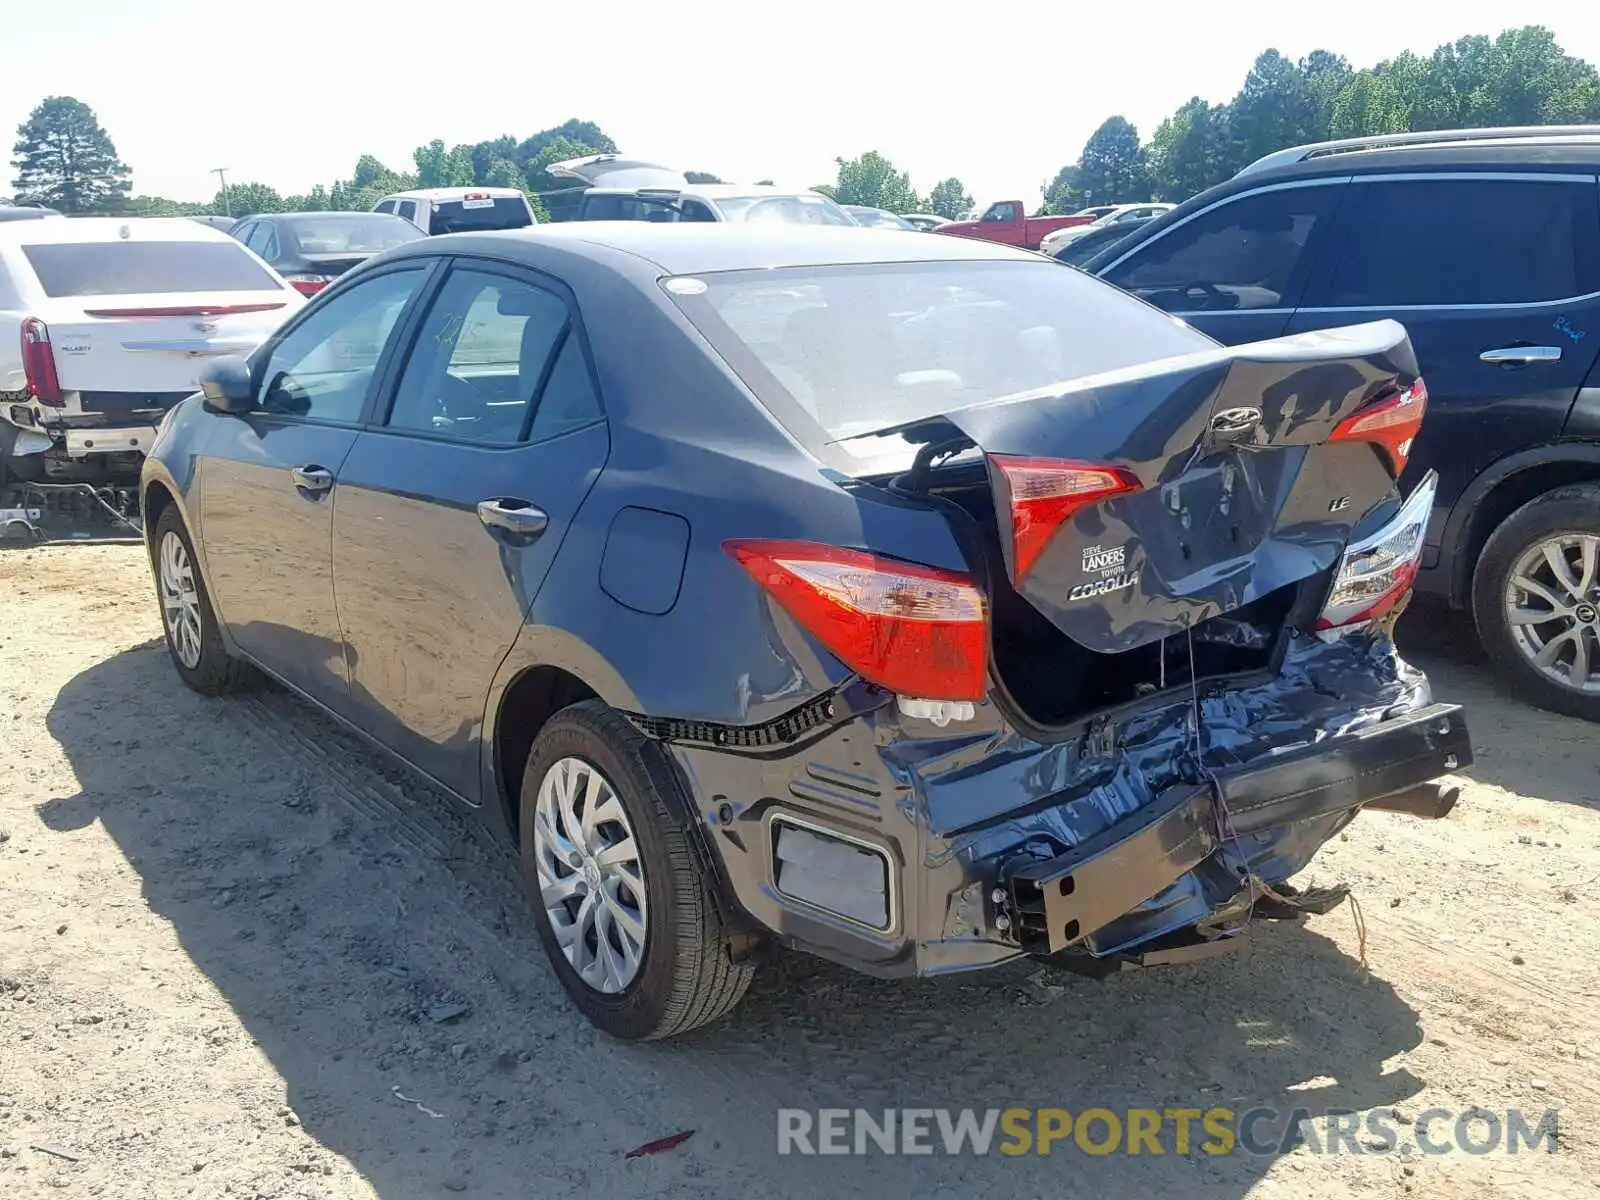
x=146 y=268
x=480 y=359
x=1464 y=241
x=406 y=209
x=1247 y=253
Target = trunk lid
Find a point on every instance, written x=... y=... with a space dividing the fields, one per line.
x=156 y=343
x=335 y=263
x=1231 y=487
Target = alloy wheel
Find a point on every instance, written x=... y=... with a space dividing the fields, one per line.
x=180 y=600
x=591 y=877
x=1552 y=605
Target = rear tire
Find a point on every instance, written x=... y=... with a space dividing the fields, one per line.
x=682 y=975
x=194 y=641
x=1552 y=544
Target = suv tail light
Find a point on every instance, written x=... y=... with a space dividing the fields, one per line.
x=1376 y=573
x=1043 y=494
x=308 y=285
x=914 y=630
x=39 y=363
x=1391 y=423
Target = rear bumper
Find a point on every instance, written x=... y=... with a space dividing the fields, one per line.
x=995 y=846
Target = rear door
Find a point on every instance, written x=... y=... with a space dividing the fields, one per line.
x=451 y=509
x=1497 y=280
x=1234 y=269
x=269 y=481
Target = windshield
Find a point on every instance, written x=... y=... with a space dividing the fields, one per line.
x=842 y=351
x=355 y=233
x=790 y=210
x=146 y=268
x=481 y=213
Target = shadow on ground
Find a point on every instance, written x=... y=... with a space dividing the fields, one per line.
x=335 y=903
x=1445 y=644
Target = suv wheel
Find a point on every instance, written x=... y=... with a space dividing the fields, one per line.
x=623 y=905
x=1536 y=600
x=193 y=639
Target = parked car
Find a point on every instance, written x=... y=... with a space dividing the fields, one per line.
x=630 y=189
x=1126 y=215
x=714 y=568
x=1004 y=222
x=1081 y=250
x=312 y=249
x=104 y=324
x=460 y=209
x=1486 y=244
x=25 y=212
x=877 y=218
x=926 y=222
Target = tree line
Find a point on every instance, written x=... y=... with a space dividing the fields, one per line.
x=65 y=159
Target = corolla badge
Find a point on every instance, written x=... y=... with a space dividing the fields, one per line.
x=1236 y=420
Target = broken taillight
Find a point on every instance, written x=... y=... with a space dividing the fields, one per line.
x=39 y=364
x=1376 y=572
x=1042 y=494
x=1391 y=423
x=914 y=630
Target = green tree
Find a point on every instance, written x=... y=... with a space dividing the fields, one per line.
x=1062 y=195
x=504 y=173
x=486 y=155
x=950 y=200
x=1269 y=112
x=66 y=160
x=243 y=199
x=872 y=180
x=581 y=133
x=1190 y=151
x=1112 y=167
x=438 y=167
x=316 y=200
x=558 y=198
x=1370 y=103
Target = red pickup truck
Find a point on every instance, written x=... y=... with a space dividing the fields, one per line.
x=1005 y=221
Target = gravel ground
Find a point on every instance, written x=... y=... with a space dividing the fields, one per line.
x=228 y=934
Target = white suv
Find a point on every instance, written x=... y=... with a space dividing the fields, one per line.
x=460 y=209
x=104 y=324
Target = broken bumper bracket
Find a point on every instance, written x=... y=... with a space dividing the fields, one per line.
x=1057 y=903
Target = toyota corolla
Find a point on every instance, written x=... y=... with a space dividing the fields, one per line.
x=908 y=601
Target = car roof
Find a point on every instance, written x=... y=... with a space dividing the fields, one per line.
x=111 y=229
x=1534 y=154
x=686 y=249
x=452 y=193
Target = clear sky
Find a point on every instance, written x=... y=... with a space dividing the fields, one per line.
x=1000 y=93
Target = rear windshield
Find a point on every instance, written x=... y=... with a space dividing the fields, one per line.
x=358 y=233
x=140 y=268
x=852 y=349
x=457 y=216
x=618 y=207
x=788 y=210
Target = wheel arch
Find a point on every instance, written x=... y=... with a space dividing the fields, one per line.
x=1500 y=491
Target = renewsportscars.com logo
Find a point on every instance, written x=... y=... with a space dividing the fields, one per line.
x=1259 y=1131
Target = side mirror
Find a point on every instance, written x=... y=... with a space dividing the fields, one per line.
x=226 y=384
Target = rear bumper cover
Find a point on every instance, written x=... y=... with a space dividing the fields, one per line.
x=1066 y=900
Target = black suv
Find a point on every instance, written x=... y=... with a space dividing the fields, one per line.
x=1485 y=244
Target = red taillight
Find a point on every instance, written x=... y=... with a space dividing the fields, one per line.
x=1391 y=424
x=1044 y=493
x=39 y=363
x=914 y=630
x=307 y=285
x=184 y=310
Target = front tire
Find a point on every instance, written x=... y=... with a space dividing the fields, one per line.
x=193 y=640
x=1536 y=600
x=622 y=902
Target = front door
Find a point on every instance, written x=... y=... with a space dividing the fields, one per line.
x=269 y=479
x=1492 y=277
x=451 y=511
x=1236 y=269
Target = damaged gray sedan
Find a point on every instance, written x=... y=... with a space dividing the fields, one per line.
x=909 y=601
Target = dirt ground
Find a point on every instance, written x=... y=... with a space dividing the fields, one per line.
x=226 y=931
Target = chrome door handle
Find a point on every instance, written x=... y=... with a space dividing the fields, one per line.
x=312 y=478
x=1521 y=355
x=511 y=520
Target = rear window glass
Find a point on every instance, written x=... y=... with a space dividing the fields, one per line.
x=363 y=233
x=858 y=348
x=146 y=268
x=784 y=210
x=456 y=216
x=630 y=208
x=1467 y=241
